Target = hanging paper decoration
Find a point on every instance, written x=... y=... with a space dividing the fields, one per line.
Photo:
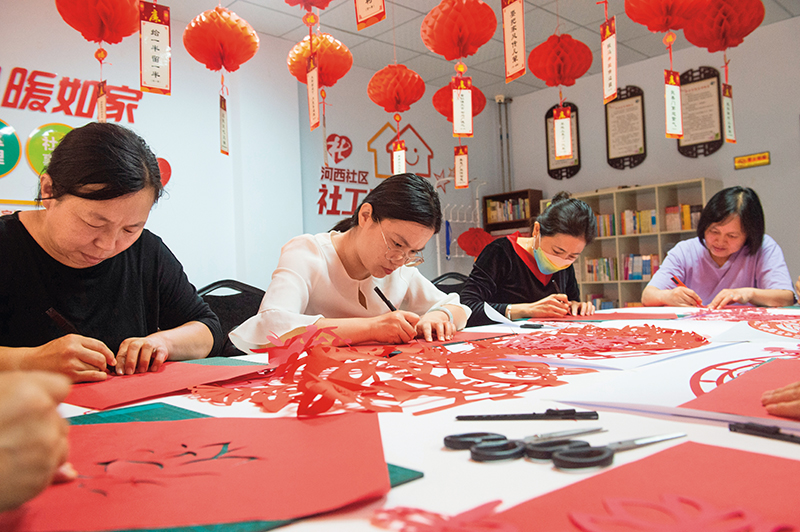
x=662 y=15
x=308 y=4
x=219 y=39
x=473 y=240
x=513 y=38
x=443 y=101
x=155 y=42
x=369 y=12
x=101 y=21
x=560 y=60
x=608 y=55
x=717 y=26
x=457 y=28
x=334 y=59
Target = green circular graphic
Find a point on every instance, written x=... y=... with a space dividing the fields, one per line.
x=41 y=143
x=10 y=149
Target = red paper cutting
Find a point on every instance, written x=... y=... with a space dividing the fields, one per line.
x=590 y=342
x=404 y=519
x=209 y=471
x=762 y=488
x=615 y=315
x=787 y=329
x=171 y=377
x=742 y=395
x=741 y=313
x=707 y=379
x=316 y=377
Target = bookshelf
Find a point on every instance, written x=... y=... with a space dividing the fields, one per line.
x=642 y=211
x=511 y=210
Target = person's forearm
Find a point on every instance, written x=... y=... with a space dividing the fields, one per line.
x=12 y=358
x=651 y=297
x=350 y=330
x=459 y=316
x=189 y=341
x=772 y=298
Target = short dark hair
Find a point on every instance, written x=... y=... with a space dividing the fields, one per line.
x=568 y=216
x=739 y=201
x=103 y=154
x=405 y=197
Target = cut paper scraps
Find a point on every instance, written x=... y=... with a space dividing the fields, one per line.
x=404 y=519
x=710 y=377
x=164 y=474
x=744 y=313
x=742 y=395
x=591 y=342
x=614 y=315
x=787 y=329
x=171 y=377
x=316 y=378
x=687 y=487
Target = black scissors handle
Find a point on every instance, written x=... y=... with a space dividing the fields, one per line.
x=469 y=439
x=492 y=451
x=545 y=450
x=586 y=457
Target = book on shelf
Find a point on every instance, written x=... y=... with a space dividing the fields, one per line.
x=605 y=224
x=509 y=210
x=682 y=217
x=639 y=267
x=672 y=215
x=600 y=302
x=600 y=270
x=638 y=222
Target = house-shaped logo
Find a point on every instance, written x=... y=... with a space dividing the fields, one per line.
x=418 y=153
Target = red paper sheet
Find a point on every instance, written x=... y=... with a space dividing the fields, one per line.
x=652 y=494
x=615 y=315
x=742 y=395
x=208 y=471
x=172 y=377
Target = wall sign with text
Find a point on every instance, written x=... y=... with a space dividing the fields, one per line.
x=562 y=168
x=626 y=145
x=701 y=107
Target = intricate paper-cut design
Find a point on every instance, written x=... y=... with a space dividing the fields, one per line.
x=317 y=377
x=591 y=342
x=736 y=313
x=788 y=329
x=675 y=513
x=708 y=378
x=404 y=519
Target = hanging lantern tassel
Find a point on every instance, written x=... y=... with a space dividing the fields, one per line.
x=398 y=150
x=672 y=95
x=608 y=46
x=727 y=107
x=461 y=167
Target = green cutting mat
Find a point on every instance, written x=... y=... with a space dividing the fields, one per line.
x=164 y=412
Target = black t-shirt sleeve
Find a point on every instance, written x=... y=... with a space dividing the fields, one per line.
x=179 y=302
x=481 y=286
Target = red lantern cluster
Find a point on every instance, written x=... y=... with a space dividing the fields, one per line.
x=219 y=38
x=443 y=101
x=333 y=57
x=395 y=88
x=101 y=20
x=662 y=15
x=722 y=24
x=560 y=60
x=457 y=28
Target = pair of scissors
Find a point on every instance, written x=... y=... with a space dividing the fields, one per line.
x=490 y=446
x=575 y=454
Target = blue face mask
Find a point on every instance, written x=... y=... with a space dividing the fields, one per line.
x=549 y=264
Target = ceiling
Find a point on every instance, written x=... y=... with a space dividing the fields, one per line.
x=398 y=36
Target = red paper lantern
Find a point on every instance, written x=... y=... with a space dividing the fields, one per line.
x=101 y=20
x=443 y=101
x=457 y=28
x=308 y=4
x=395 y=88
x=560 y=60
x=662 y=15
x=333 y=58
x=219 y=38
x=473 y=240
x=722 y=24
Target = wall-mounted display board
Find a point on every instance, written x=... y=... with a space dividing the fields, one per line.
x=701 y=107
x=562 y=168
x=626 y=146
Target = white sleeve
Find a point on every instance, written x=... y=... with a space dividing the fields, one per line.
x=422 y=295
x=286 y=299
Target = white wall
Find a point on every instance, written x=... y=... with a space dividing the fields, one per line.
x=765 y=75
x=224 y=217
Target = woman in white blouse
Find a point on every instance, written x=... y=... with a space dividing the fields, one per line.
x=330 y=279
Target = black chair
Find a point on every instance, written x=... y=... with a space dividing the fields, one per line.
x=450 y=282
x=232 y=309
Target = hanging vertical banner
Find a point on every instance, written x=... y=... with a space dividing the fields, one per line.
x=727 y=113
x=461 y=167
x=462 y=106
x=562 y=132
x=608 y=35
x=514 y=38
x=368 y=12
x=398 y=157
x=102 y=98
x=155 y=67
x=312 y=88
x=223 y=125
x=672 y=99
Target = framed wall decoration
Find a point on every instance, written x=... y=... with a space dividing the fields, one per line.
x=563 y=168
x=701 y=107
x=626 y=145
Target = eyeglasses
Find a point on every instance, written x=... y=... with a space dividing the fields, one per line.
x=411 y=258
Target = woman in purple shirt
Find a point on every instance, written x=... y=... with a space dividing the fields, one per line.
x=730 y=261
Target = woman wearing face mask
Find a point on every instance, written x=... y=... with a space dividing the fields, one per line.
x=534 y=277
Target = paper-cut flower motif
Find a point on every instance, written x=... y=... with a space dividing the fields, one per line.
x=219 y=38
x=675 y=513
x=722 y=24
